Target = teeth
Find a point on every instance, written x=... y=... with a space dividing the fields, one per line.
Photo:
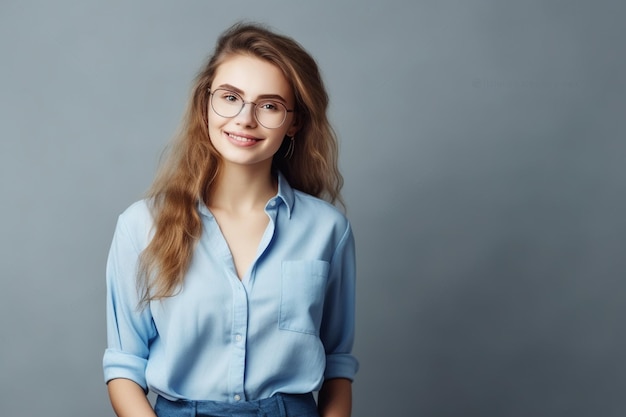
x=240 y=139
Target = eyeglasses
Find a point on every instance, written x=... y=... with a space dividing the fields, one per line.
x=269 y=113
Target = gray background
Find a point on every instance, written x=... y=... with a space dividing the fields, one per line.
x=483 y=146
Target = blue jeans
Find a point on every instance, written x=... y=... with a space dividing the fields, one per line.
x=279 y=405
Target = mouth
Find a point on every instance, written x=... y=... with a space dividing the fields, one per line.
x=241 y=138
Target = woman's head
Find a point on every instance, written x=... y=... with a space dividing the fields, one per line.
x=314 y=155
x=251 y=112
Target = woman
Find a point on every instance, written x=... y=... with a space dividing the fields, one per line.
x=230 y=288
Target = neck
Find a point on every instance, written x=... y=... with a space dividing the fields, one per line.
x=242 y=188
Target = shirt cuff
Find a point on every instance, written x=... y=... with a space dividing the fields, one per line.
x=341 y=365
x=118 y=364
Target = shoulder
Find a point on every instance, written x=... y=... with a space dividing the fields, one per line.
x=320 y=222
x=136 y=221
x=318 y=210
x=139 y=211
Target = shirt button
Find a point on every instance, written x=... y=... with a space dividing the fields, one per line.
x=237 y=397
x=272 y=203
x=238 y=338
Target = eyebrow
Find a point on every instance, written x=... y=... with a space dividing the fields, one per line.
x=262 y=96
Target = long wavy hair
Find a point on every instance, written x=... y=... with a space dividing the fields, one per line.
x=191 y=164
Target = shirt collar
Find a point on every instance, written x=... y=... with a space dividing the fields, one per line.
x=285 y=193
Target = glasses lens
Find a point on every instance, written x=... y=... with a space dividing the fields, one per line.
x=226 y=103
x=271 y=114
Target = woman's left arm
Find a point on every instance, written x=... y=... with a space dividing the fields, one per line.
x=337 y=331
x=335 y=398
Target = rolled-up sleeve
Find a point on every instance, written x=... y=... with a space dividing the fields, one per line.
x=337 y=330
x=129 y=325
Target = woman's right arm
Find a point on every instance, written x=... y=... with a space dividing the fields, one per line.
x=128 y=399
x=130 y=327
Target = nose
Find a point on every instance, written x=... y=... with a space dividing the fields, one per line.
x=246 y=116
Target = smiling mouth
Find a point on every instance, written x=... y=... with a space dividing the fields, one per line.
x=242 y=139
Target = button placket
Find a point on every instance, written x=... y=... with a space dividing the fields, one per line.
x=239 y=329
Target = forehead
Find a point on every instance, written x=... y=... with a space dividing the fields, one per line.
x=254 y=76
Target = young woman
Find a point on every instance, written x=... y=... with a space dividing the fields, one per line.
x=230 y=288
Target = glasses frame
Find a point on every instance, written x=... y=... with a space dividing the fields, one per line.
x=243 y=104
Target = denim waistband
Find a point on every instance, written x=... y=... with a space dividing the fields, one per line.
x=279 y=405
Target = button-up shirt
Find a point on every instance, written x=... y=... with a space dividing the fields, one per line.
x=285 y=326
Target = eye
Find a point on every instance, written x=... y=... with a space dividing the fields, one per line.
x=230 y=97
x=268 y=106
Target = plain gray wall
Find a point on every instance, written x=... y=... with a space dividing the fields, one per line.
x=484 y=151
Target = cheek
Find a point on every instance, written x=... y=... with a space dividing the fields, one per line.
x=210 y=119
x=214 y=123
x=213 y=129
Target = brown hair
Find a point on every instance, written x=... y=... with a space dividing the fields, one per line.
x=191 y=163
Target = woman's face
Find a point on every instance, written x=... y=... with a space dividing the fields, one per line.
x=241 y=139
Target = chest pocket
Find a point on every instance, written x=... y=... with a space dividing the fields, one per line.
x=302 y=295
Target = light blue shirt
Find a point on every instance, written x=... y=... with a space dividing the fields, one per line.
x=287 y=325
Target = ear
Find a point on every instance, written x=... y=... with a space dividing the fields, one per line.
x=291 y=132
x=293 y=129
